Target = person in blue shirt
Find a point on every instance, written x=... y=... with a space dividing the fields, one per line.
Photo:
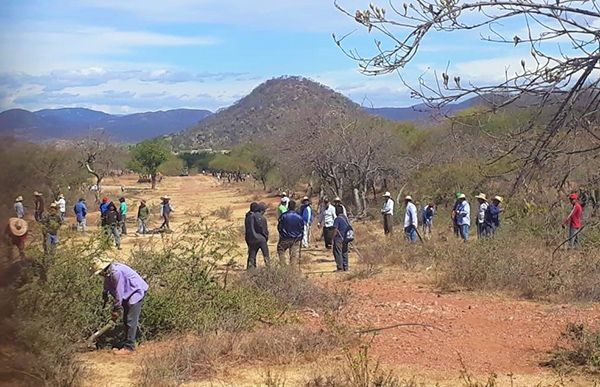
x=463 y=217
x=340 y=244
x=291 y=232
x=80 y=210
x=427 y=215
x=307 y=215
x=492 y=216
x=104 y=210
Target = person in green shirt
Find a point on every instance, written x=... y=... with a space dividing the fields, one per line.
x=282 y=208
x=123 y=211
x=51 y=222
x=142 y=217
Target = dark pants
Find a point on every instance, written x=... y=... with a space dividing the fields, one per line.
x=481 y=230
x=388 y=224
x=574 y=237
x=340 y=254
x=293 y=246
x=131 y=319
x=38 y=216
x=253 y=250
x=328 y=236
x=124 y=224
x=165 y=223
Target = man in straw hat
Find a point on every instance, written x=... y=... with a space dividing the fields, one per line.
x=16 y=233
x=51 y=222
x=481 y=210
x=38 y=206
x=326 y=219
x=388 y=213
x=165 y=212
x=127 y=289
x=492 y=216
x=19 y=209
x=463 y=216
x=410 y=220
x=62 y=206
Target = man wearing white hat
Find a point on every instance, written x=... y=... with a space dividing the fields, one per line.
x=326 y=219
x=38 y=206
x=463 y=216
x=19 y=209
x=410 y=220
x=388 y=213
x=338 y=202
x=127 y=289
x=481 y=210
x=492 y=216
x=307 y=215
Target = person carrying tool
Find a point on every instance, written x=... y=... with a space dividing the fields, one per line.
x=574 y=221
x=411 y=221
x=127 y=289
x=256 y=234
x=38 y=206
x=388 y=213
x=291 y=231
x=19 y=209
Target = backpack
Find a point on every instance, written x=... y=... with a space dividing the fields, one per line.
x=349 y=237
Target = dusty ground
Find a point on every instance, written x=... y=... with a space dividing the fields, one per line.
x=491 y=334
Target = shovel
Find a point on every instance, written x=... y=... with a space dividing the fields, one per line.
x=91 y=341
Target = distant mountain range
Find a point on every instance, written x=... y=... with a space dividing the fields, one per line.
x=51 y=124
x=286 y=103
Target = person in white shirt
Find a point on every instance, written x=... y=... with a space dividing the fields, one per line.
x=388 y=213
x=483 y=206
x=411 y=221
x=62 y=206
x=463 y=217
x=326 y=218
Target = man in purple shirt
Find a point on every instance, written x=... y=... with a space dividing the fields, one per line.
x=127 y=289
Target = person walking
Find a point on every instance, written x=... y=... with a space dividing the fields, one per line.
x=165 y=213
x=51 y=222
x=291 y=231
x=481 y=210
x=113 y=223
x=38 y=206
x=19 y=208
x=326 y=219
x=463 y=217
x=80 y=210
x=411 y=221
x=574 y=221
x=492 y=216
x=388 y=213
x=307 y=215
x=142 y=218
x=341 y=225
x=427 y=219
x=338 y=202
x=123 y=211
x=127 y=289
x=256 y=234
x=16 y=233
x=62 y=207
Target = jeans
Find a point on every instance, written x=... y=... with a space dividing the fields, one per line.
x=293 y=246
x=410 y=233
x=51 y=242
x=306 y=237
x=388 y=224
x=253 y=251
x=464 y=231
x=427 y=228
x=574 y=237
x=124 y=224
x=328 y=236
x=481 y=230
x=116 y=233
x=340 y=254
x=131 y=319
x=142 y=229
x=82 y=225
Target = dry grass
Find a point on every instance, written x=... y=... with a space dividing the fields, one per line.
x=578 y=348
x=224 y=212
x=203 y=357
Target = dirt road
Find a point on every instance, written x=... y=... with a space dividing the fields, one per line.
x=485 y=333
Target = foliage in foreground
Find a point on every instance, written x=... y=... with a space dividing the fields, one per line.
x=579 y=347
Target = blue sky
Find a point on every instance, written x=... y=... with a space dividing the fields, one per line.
x=123 y=56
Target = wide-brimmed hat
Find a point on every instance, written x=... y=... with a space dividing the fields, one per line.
x=283 y=194
x=100 y=264
x=481 y=196
x=499 y=199
x=408 y=197
x=337 y=199
x=387 y=195
x=166 y=197
x=458 y=194
x=53 y=205
x=461 y=196
x=36 y=193
x=19 y=199
x=18 y=227
x=305 y=198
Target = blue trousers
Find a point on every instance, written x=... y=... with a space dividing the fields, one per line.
x=464 y=231
x=411 y=234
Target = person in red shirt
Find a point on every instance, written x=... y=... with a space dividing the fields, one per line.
x=574 y=220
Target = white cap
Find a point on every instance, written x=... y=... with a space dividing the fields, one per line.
x=387 y=195
x=408 y=197
x=283 y=194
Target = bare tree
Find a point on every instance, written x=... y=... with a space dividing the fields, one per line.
x=559 y=76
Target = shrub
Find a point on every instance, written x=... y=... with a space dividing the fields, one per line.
x=224 y=212
x=579 y=348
